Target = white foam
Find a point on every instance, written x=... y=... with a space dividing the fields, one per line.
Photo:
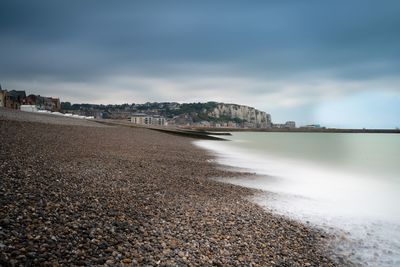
x=364 y=207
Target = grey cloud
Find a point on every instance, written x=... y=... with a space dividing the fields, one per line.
x=87 y=40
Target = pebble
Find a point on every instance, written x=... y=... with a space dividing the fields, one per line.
x=89 y=194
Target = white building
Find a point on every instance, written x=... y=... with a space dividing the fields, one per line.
x=145 y=119
x=290 y=124
x=29 y=108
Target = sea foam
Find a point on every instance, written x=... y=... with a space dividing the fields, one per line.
x=360 y=209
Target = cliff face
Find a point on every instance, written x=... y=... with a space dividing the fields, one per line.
x=251 y=116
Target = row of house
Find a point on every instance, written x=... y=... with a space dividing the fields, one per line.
x=15 y=99
x=183 y=120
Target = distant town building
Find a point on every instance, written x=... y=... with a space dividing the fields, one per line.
x=158 y=120
x=14 y=99
x=202 y=124
x=182 y=120
x=119 y=114
x=2 y=97
x=44 y=103
x=145 y=119
x=286 y=125
x=313 y=126
x=34 y=100
x=52 y=104
x=278 y=125
x=29 y=108
x=290 y=124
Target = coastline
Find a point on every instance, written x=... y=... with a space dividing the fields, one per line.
x=300 y=130
x=102 y=195
x=352 y=204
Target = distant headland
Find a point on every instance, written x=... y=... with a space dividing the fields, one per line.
x=210 y=116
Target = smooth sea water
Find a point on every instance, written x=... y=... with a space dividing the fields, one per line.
x=348 y=184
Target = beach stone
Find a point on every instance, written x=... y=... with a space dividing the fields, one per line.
x=109 y=262
x=126 y=261
x=92 y=194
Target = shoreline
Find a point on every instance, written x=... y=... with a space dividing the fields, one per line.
x=301 y=130
x=343 y=202
x=78 y=195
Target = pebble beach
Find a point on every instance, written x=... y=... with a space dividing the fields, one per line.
x=79 y=193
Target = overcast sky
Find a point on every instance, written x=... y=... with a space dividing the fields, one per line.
x=336 y=62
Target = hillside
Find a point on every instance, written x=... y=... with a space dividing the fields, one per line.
x=209 y=113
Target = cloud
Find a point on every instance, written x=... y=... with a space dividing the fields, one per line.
x=274 y=55
x=266 y=38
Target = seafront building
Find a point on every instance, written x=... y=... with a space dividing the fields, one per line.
x=16 y=99
x=29 y=108
x=313 y=126
x=290 y=124
x=2 y=97
x=286 y=125
x=44 y=103
x=145 y=119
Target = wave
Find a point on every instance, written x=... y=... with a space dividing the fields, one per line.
x=364 y=207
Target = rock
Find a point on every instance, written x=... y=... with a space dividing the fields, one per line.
x=109 y=262
x=126 y=261
x=75 y=195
